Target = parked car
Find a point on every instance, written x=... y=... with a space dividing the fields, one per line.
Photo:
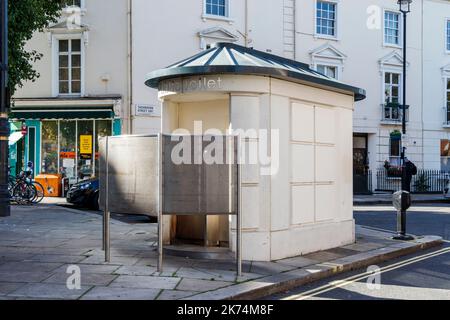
x=85 y=194
x=447 y=190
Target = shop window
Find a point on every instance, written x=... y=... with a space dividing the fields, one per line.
x=217 y=8
x=69 y=66
x=103 y=128
x=326 y=18
x=85 y=131
x=391 y=28
x=445 y=155
x=67 y=148
x=49 y=147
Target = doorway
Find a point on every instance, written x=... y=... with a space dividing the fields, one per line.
x=361 y=172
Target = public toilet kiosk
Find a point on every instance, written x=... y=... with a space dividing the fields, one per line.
x=295 y=131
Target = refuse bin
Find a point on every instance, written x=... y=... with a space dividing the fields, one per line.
x=51 y=184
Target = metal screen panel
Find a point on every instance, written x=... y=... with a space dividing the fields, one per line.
x=198 y=187
x=133 y=174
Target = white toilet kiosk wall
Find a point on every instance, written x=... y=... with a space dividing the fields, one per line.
x=297 y=191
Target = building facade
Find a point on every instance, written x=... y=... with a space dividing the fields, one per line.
x=358 y=42
x=80 y=95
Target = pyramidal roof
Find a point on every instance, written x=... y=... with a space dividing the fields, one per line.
x=230 y=58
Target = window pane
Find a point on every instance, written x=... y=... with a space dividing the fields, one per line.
x=102 y=129
x=445 y=148
x=67 y=151
x=63 y=46
x=387 y=77
x=63 y=61
x=85 y=129
x=395 y=78
x=76 y=74
x=76 y=60
x=63 y=74
x=76 y=86
x=63 y=87
x=76 y=45
x=395 y=147
x=49 y=147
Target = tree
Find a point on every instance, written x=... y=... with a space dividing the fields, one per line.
x=25 y=18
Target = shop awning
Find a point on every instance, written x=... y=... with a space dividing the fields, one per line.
x=229 y=58
x=14 y=137
x=62 y=113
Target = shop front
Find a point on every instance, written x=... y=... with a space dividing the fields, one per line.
x=61 y=142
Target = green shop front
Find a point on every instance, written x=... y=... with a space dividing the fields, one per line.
x=60 y=136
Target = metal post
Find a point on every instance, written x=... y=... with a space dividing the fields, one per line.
x=160 y=203
x=106 y=214
x=401 y=215
x=238 y=216
x=4 y=103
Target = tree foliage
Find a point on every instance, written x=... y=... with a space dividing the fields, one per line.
x=25 y=18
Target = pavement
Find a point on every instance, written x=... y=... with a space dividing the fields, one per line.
x=386 y=199
x=41 y=245
x=423 y=275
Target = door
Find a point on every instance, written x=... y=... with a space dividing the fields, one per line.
x=361 y=173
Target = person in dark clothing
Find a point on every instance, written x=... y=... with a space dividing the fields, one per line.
x=411 y=170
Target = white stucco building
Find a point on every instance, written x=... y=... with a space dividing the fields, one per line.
x=358 y=42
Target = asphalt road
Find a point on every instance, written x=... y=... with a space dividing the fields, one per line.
x=425 y=275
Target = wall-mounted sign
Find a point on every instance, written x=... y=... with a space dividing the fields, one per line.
x=85 y=146
x=147 y=110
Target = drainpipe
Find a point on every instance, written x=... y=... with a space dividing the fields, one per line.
x=295 y=30
x=246 y=24
x=130 y=66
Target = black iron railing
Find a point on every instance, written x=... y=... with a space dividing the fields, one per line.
x=426 y=181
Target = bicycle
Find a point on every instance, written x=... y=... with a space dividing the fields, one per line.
x=24 y=190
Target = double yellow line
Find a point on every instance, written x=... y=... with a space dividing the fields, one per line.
x=341 y=283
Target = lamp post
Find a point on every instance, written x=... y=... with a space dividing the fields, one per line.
x=4 y=102
x=405 y=8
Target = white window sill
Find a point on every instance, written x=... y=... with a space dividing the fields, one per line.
x=326 y=37
x=391 y=45
x=72 y=10
x=219 y=18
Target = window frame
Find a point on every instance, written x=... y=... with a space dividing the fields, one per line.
x=400 y=88
x=227 y=16
x=400 y=29
x=441 y=157
x=391 y=156
x=55 y=64
x=328 y=65
x=446 y=100
x=447 y=35
x=336 y=21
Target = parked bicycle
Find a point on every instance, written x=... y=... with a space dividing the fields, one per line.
x=24 y=190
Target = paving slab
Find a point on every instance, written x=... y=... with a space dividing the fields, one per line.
x=8 y=287
x=147 y=282
x=48 y=291
x=201 y=285
x=175 y=294
x=111 y=293
x=136 y=271
x=87 y=279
